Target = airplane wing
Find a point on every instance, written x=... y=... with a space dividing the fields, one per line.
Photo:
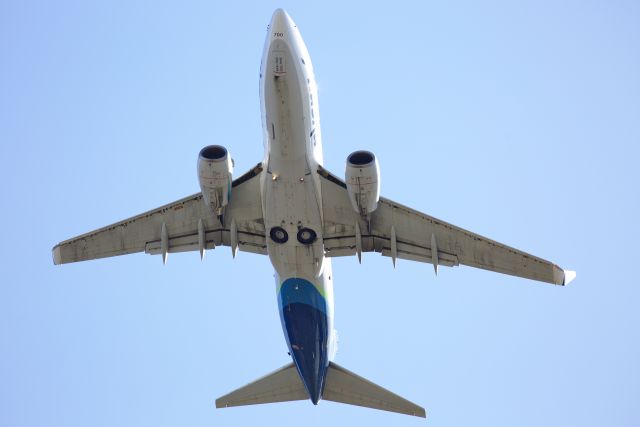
x=401 y=232
x=184 y=225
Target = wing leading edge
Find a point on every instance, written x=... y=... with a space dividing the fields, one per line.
x=397 y=231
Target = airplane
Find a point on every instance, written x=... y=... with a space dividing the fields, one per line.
x=292 y=209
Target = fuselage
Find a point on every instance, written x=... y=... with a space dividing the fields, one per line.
x=291 y=201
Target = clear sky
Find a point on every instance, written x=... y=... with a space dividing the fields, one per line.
x=516 y=120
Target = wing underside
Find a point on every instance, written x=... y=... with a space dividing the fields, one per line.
x=184 y=225
x=400 y=232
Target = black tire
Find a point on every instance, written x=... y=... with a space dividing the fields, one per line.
x=306 y=236
x=279 y=235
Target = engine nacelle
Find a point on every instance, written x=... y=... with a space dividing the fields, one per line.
x=215 y=171
x=363 y=181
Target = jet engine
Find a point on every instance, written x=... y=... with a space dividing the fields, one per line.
x=363 y=181
x=215 y=170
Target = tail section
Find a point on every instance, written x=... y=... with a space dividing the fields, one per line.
x=346 y=387
x=341 y=386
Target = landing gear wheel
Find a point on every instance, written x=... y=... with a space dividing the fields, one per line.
x=306 y=236
x=279 y=235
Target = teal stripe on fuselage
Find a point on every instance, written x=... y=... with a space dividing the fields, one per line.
x=296 y=290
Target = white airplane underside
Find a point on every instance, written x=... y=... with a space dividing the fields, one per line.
x=299 y=214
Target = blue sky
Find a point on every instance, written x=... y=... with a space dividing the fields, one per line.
x=517 y=120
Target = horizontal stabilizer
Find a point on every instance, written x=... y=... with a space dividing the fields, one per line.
x=282 y=385
x=346 y=387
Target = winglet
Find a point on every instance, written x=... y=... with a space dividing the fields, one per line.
x=57 y=257
x=568 y=277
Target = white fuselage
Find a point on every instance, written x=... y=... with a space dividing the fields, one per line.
x=291 y=199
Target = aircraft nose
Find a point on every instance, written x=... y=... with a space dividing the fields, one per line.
x=280 y=21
